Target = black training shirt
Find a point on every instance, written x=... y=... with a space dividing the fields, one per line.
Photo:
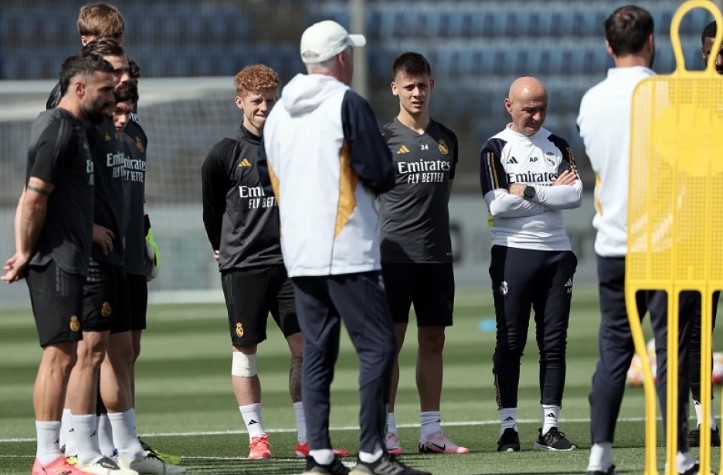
x=241 y=220
x=415 y=217
x=107 y=150
x=134 y=190
x=59 y=154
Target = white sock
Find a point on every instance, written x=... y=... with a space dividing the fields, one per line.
x=105 y=436
x=251 y=414
x=550 y=414
x=125 y=437
x=699 y=413
x=430 y=422
x=508 y=418
x=601 y=457
x=67 y=435
x=684 y=462
x=391 y=424
x=366 y=457
x=322 y=456
x=48 y=448
x=300 y=422
x=86 y=436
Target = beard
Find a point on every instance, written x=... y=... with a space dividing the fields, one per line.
x=96 y=115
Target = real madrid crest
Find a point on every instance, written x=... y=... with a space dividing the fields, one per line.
x=239 y=330
x=74 y=324
x=139 y=144
x=503 y=288
x=443 y=147
x=106 y=310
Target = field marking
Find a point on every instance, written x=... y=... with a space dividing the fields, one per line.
x=286 y=430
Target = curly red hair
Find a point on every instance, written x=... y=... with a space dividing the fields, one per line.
x=256 y=78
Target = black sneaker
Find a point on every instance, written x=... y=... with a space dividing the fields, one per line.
x=695 y=470
x=609 y=471
x=694 y=437
x=554 y=441
x=509 y=441
x=334 y=468
x=386 y=465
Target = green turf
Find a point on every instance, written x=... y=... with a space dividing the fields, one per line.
x=185 y=405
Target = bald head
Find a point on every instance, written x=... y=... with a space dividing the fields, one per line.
x=525 y=88
x=526 y=103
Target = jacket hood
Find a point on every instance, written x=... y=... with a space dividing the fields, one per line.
x=305 y=92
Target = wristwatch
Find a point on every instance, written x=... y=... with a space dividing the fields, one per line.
x=529 y=192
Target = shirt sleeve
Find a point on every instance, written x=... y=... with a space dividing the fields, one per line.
x=214 y=186
x=492 y=173
x=262 y=168
x=54 y=97
x=504 y=205
x=455 y=157
x=561 y=196
x=54 y=142
x=371 y=159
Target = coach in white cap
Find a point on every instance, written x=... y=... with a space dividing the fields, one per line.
x=326 y=161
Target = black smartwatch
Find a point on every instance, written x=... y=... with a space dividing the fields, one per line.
x=529 y=192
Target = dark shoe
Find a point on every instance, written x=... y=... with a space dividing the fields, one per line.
x=695 y=470
x=554 y=441
x=509 y=441
x=694 y=437
x=387 y=464
x=334 y=468
x=609 y=471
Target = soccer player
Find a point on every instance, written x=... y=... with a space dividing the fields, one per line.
x=53 y=234
x=416 y=248
x=707 y=38
x=528 y=177
x=326 y=160
x=95 y=20
x=107 y=342
x=604 y=123
x=242 y=226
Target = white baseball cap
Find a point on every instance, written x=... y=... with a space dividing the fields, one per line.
x=326 y=39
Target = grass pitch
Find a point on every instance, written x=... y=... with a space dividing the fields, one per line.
x=185 y=405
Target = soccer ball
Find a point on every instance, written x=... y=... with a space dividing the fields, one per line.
x=634 y=376
x=717 y=368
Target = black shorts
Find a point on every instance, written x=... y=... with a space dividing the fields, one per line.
x=137 y=300
x=430 y=287
x=57 y=300
x=105 y=298
x=251 y=294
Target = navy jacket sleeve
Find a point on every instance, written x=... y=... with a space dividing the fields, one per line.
x=371 y=159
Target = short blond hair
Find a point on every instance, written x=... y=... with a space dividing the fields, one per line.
x=256 y=78
x=101 y=20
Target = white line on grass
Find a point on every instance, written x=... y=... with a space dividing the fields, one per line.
x=285 y=430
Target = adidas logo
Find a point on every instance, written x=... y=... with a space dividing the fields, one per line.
x=509 y=418
x=403 y=149
x=244 y=163
x=252 y=422
x=513 y=160
x=569 y=282
x=550 y=415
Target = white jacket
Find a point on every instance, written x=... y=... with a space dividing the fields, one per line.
x=604 y=123
x=326 y=160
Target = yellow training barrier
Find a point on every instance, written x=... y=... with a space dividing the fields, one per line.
x=675 y=217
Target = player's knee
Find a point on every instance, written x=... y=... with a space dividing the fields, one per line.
x=243 y=365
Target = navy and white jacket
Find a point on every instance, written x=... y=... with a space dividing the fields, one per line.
x=326 y=160
x=536 y=160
